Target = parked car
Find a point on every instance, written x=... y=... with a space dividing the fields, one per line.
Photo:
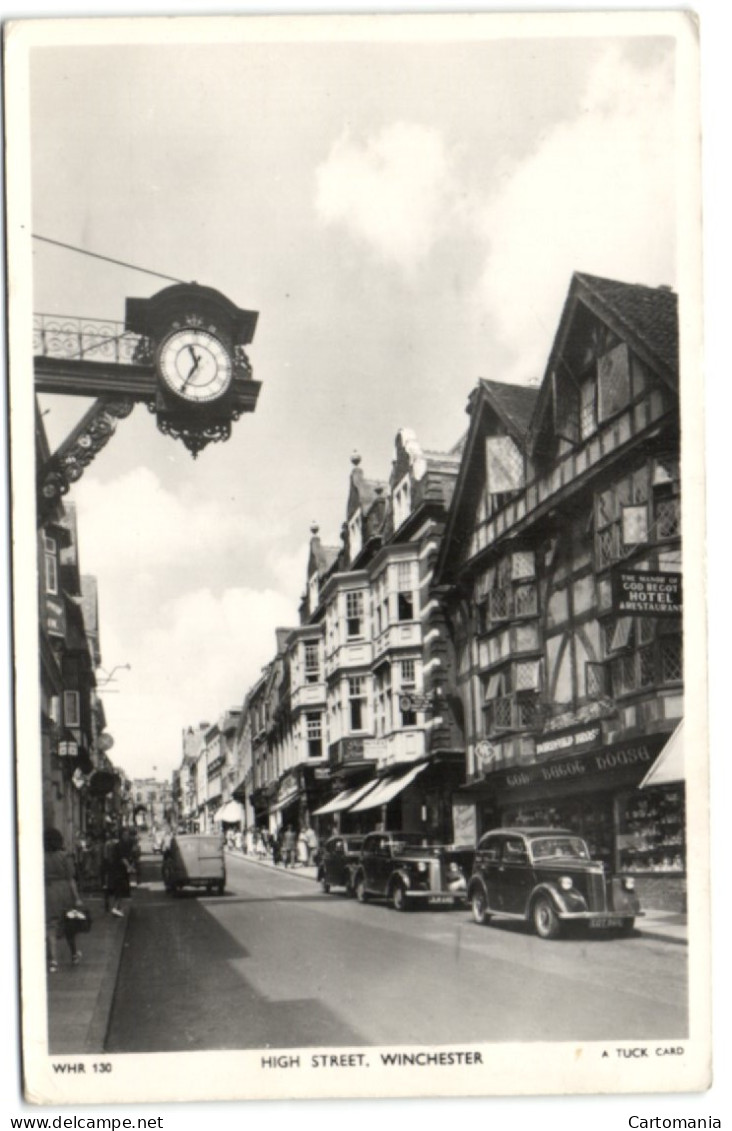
x=194 y=860
x=407 y=870
x=339 y=861
x=546 y=877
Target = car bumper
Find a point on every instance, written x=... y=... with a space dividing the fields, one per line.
x=607 y=918
x=436 y=897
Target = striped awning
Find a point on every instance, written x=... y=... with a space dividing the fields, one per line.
x=345 y=799
x=387 y=790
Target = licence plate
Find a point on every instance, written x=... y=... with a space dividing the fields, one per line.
x=606 y=923
x=440 y=899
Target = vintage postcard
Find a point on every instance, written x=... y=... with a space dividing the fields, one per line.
x=358 y=520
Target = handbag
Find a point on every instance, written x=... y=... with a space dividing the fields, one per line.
x=77 y=920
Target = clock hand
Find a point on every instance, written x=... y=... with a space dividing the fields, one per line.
x=196 y=361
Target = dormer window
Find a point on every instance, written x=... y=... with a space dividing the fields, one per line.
x=402 y=501
x=355 y=536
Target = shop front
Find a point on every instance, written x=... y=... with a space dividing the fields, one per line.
x=299 y=793
x=412 y=798
x=634 y=828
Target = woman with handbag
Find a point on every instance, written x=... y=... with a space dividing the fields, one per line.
x=61 y=894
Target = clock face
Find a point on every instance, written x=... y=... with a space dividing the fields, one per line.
x=195 y=365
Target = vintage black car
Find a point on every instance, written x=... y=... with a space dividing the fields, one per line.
x=339 y=861
x=546 y=877
x=407 y=870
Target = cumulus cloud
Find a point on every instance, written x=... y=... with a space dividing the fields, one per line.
x=194 y=660
x=596 y=195
x=390 y=191
x=194 y=651
x=134 y=525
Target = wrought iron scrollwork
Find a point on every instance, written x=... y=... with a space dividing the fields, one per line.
x=67 y=465
x=195 y=436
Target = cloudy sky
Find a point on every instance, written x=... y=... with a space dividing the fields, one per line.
x=404 y=212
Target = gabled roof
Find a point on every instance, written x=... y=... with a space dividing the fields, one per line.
x=650 y=313
x=514 y=404
x=645 y=317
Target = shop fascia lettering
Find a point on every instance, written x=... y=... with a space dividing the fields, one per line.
x=567 y=741
x=578 y=767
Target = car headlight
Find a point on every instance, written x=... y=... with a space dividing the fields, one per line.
x=421 y=867
x=629 y=883
x=565 y=883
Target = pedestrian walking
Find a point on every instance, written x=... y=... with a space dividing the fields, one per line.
x=312 y=842
x=119 y=867
x=289 y=842
x=61 y=895
x=302 y=848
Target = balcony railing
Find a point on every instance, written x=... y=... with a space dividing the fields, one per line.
x=87 y=339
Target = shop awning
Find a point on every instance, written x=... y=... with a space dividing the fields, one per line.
x=231 y=812
x=669 y=765
x=345 y=799
x=387 y=790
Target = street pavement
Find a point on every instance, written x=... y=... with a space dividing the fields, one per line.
x=276 y=963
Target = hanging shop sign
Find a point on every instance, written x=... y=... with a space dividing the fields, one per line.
x=575 y=740
x=485 y=753
x=641 y=593
x=55 y=617
x=346 y=750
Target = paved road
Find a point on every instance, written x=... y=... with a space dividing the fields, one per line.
x=276 y=963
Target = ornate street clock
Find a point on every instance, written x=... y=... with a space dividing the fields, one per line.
x=180 y=352
x=196 y=338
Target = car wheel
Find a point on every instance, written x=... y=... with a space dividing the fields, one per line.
x=399 y=898
x=546 y=920
x=361 y=893
x=324 y=884
x=479 y=905
x=628 y=928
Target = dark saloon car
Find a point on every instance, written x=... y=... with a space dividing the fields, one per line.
x=339 y=860
x=407 y=870
x=546 y=877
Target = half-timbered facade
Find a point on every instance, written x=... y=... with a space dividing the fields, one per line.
x=560 y=572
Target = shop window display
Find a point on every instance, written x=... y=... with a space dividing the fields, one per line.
x=651 y=831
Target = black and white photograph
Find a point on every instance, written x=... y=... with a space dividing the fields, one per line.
x=357 y=465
